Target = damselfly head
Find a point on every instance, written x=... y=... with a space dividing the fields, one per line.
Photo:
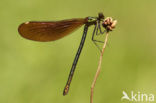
x=101 y=16
x=109 y=24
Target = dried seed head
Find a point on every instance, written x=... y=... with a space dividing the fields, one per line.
x=114 y=23
x=109 y=24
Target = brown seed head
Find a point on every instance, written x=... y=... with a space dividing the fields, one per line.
x=109 y=24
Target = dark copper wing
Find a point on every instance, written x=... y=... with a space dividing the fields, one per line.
x=49 y=31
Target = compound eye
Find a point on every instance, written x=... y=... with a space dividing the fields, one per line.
x=101 y=16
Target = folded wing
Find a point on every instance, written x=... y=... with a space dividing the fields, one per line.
x=49 y=31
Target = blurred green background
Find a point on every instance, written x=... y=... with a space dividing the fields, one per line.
x=36 y=72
